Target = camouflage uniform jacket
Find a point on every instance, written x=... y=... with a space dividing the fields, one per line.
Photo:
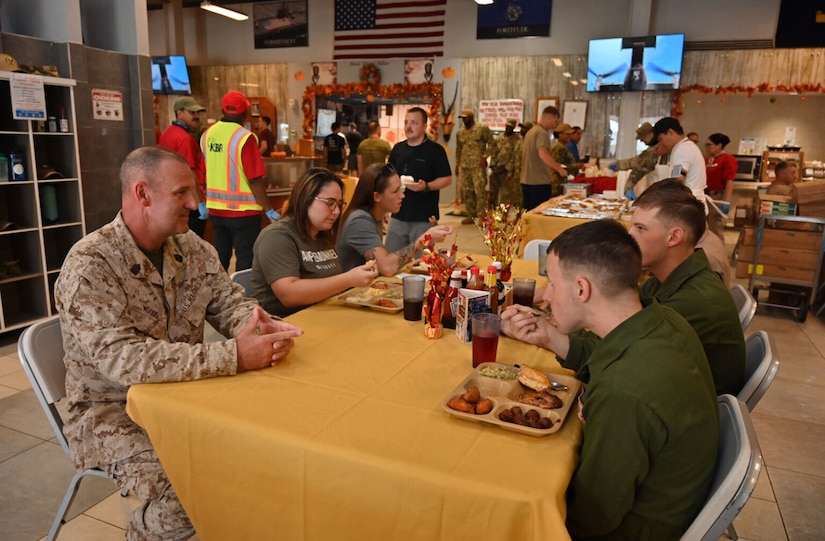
x=473 y=145
x=502 y=152
x=562 y=154
x=639 y=165
x=514 y=167
x=124 y=324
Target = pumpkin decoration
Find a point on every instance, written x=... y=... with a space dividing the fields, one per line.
x=448 y=72
x=299 y=75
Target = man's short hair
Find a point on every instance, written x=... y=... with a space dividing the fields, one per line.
x=550 y=110
x=266 y=120
x=144 y=163
x=676 y=207
x=665 y=124
x=373 y=126
x=781 y=166
x=603 y=251
x=420 y=111
x=335 y=126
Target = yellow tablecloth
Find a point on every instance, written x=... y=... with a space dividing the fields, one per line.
x=346 y=439
x=535 y=225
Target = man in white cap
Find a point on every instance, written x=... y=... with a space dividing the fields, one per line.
x=181 y=137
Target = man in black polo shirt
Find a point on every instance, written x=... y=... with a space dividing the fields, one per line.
x=426 y=162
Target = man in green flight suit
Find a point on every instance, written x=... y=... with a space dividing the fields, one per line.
x=642 y=164
x=473 y=146
x=649 y=412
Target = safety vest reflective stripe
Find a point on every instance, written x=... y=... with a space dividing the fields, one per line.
x=227 y=186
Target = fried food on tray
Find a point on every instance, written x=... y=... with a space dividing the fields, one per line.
x=532 y=378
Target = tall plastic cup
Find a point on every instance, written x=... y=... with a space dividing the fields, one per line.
x=485 y=329
x=413 y=287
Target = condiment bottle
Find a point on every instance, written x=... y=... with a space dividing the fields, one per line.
x=448 y=320
x=64 y=122
x=499 y=283
x=474 y=282
x=491 y=288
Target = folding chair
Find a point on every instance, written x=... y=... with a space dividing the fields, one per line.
x=244 y=278
x=40 y=348
x=738 y=464
x=761 y=366
x=745 y=304
x=532 y=249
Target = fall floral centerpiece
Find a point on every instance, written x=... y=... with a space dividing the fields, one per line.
x=501 y=227
x=441 y=266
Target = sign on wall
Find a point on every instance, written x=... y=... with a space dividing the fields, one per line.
x=107 y=105
x=494 y=113
x=502 y=20
x=281 y=24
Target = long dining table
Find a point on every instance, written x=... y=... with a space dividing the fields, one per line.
x=347 y=439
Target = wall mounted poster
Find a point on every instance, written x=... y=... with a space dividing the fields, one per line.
x=281 y=24
x=494 y=113
x=514 y=19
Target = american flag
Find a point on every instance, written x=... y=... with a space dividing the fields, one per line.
x=389 y=29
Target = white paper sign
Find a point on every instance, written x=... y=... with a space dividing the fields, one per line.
x=494 y=113
x=28 y=101
x=790 y=136
x=107 y=105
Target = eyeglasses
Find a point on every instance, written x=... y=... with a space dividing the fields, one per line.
x=332 y=203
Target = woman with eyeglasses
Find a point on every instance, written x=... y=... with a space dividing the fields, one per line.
x=379 y=191
x=294 y=262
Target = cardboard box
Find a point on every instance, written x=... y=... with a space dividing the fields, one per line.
x=470 y=301
x=744 y=269
x=581 y=189
x=800 y=259
x=745 y=253
x=743 y=215
x=808 y=192
x=775 y=207
x=782 y=238
x=815 y=210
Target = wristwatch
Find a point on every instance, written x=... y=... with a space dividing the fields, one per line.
x=426 y=187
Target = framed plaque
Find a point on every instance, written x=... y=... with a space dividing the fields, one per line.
x=544 y=101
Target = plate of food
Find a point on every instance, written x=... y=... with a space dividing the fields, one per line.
x=521 y=399
x=381 y=295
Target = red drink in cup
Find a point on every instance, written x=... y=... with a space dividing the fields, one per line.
x=484 y=349
x=485 y=328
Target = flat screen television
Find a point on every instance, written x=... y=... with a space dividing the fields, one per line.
x=629 y=64
x=170 y=75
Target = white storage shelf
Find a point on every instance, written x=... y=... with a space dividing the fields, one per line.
x=33 y=244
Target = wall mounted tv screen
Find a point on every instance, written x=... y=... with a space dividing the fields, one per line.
x=628 y=64
x=170 y=75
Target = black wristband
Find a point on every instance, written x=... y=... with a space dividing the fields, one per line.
x=426 y=186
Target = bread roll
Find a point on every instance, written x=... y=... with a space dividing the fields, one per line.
x=532 y=378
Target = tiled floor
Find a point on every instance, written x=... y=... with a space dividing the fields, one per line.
x=790 y=423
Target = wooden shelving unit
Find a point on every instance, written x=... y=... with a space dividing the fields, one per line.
x=33 y=241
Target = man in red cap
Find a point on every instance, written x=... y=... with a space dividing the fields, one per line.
x=181 y=137
x=235 y=183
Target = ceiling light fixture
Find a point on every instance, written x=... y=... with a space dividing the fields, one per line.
x=557 y=62
x=484 y=2
x=226 y=12
x=567 y=74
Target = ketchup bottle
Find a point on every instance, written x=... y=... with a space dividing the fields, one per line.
x=448 y=320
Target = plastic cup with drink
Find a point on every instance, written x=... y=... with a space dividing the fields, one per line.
x=413 y=287
x=485 y=328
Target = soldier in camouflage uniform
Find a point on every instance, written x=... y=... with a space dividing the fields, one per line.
x=562 y=154
x=500 y=157
x=511 y=191
x=642 y=164
x=473 y=146
x=133 y=297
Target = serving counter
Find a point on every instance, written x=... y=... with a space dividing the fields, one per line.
x=346 y=439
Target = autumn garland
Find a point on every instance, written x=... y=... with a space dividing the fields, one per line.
x=678 y=105
x=400 y=92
